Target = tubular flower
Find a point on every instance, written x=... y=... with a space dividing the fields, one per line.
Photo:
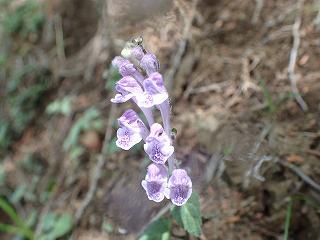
x=142 y=83
x=179 y=187
x=155 y=92
x=158 y=145
x=155 y=182
x=127 y=87
x=132 y=130
x=126 y=68
x=149 y=63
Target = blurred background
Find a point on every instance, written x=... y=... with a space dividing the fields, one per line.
x=244 y=81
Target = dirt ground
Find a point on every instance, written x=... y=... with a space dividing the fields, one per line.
x=250 y=143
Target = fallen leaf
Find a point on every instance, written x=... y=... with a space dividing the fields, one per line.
x=293 y=158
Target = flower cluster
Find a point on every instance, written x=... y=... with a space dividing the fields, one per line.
x=142 y=84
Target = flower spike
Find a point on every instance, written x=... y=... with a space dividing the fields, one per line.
x=142 y=83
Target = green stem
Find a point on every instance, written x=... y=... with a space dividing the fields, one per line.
x=10 y=212
x=288 y=218
x=16 y=230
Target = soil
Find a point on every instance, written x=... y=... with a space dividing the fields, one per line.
x=239 y=124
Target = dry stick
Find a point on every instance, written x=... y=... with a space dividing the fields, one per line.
x=257 y=11
x=301 y=174
x=98 y=168
x=293 y=58
x=59 y=39
x=182 y=47
x=316 y=21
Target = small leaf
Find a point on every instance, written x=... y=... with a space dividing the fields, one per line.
x=2 y=174
x=188 y=216
x=62 y=226
x=158 y=230
x=62 y=106
x=107 y=226
x=48 y=221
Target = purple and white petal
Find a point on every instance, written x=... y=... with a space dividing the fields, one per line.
x=127 y=138
x=137 y=53
x=179 y=187
x=154 y=86
x=119 y=98
x=127 y=88
x=128 y=84
x=157 y=133
x=130 y=120
x=150 y=63
x=158 y=152
x=144 y=100
x=128 y=69
x=157 y=172
x=158 y=145
x=118 y=61
x=155 y=182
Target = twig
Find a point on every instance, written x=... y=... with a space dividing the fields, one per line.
x=276 y=20
x=256 y=160
x=257 y=11
x=182 y=46
x=162 y=212
x=293 y=58
x=301 y=174
x=247 y=82
x=98 y=168
x=313 y=152
x=316 y=21
x=211 y=87
x=59 y=39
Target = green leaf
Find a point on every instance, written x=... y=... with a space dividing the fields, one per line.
x=21 y=228
x=62 y=106
x=188 y=216
x=158 y=230
x=56 y=227
x=62 y=226
x=18 y=194
x=2 y=174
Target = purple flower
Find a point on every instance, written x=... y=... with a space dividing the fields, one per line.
x=155 y=92
x=127 y=87
x=150 y=63
x=126 y=68
x=131 y=130
x=137 y=53
x=158 y=145
x=179 y=187
x=118 y=61
x=155 y=182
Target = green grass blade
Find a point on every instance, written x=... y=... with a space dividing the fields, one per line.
x=6 y=228
x=5 y=206
x=288 y=218
x=21 y=226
